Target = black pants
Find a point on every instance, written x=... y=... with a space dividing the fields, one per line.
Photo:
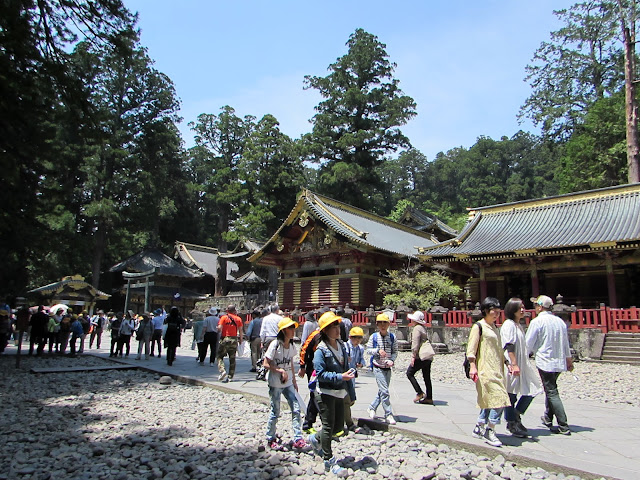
x=312 y=408
x=202 y=351
x=210 y=341
x=41 y=340
x=114 y=347
x=157 y=337
x=425 y=366
x=124 y=340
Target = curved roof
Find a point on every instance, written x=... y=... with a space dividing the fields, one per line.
x=594 y=219
x=206 y=258
x=72 y=283
x=355 y=226
x=153 y=258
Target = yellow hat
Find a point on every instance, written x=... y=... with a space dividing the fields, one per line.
x=356 y=332
x=382 y=317
x=286 y=322
x=327 y=319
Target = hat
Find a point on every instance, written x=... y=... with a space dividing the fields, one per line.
x=382 y=317
x=286 y=323
x=543 y=301
x=356 y=332
x=157 y=311
x=213 y=311
x=417 y=317
x=327 y=319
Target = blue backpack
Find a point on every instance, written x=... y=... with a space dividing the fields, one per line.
x=375 y=337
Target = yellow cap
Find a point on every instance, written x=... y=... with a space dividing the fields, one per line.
x=286 y=322
x=382 y=317
x=327 y=319
x=356 y=332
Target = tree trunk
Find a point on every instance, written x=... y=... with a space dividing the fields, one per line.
x=223 y=227
x=98 y=252
x=631 y=105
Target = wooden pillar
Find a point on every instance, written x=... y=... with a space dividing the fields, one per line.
x=535 y=282
x=483 y=283
x=611 y=282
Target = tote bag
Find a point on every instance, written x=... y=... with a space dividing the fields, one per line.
x=426 y=351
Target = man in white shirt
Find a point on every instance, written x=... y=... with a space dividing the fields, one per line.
x=548 y=339
x=210 y=331
x=269 y=329
x=159 y=316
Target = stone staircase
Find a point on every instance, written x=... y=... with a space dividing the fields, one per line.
x=621 y=348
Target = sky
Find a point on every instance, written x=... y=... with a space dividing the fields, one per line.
x=462 y=61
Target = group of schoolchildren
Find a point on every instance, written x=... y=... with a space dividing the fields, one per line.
x=331 y=364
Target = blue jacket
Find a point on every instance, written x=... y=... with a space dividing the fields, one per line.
x=329 y=371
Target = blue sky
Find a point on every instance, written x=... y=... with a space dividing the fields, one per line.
x=462 y=61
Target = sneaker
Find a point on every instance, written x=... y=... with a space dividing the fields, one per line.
x=512 y=427
x=158 y=355
x=478 y=430
x=333 y=467
x=275 y=444
x=546 y=422
x=391 y=420
x=371 y=412
x=355 y=429
x=491 y=438
x=564 y=430
x=138 y=357
x=315 y=445
x=201 y=364
x=301 y=445
x=309 y=430
x=226 y=380
x=222 y=377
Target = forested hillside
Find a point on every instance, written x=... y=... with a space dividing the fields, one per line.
x=95 y=168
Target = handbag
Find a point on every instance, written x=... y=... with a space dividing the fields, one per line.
x=426 y=351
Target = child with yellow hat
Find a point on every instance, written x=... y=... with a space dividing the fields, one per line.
x=383 y=349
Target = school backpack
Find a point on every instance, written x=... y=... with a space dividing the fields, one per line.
x=375 y=337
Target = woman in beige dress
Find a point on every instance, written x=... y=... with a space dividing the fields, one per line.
x=486 y=360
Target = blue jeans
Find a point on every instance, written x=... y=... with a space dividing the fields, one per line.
x=490 y=415
x=512 y=413
x=383 y=379
x=290 y=394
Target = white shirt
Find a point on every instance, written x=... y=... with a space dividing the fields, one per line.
x=210 y=324
x=282 y=357
x=270 y=326
x=547 y=337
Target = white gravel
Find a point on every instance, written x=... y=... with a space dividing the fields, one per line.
x=125 y=425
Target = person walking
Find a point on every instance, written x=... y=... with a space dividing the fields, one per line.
x=548 y=339
x=98 y=322
x=418 y=339
x=522 y=378
x=278 y=361
x=158 y=318
x=210 y=332
x=198 y=338
x=114 y=326
x=144 y=335
x=486 y=369
x=76 y=333
x=356 y=361
x=39 y=333
x=230 y=328
x=383 y=349
x=175 y=323
x=86 y=329
x=269 y=328
x=253 y=333
x=126 y=330
x=331 y=363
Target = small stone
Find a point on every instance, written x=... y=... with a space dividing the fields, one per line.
x=165 y=380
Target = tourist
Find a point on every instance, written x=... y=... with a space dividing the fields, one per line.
x=269 y=329
x=331 y=363
x=486 y=369
x=38 y=334
x=522 y=379
x=253 y=334
x=383 y=349
x=114 y=326
x=548 y=339
x=307 y=352
x=418 y=339
x=98 y=322
x=86 y=328
x=53 y=329
x=76 y=333
x=144 y=333
x=210 y=332
x=5 y=328
x=126 y=330
x=198 y=338
x=356 y=360
x=158 y=318
x=175 y=323
x=65 y=332
x=230 y=328
x=282 y=381
x=345 y=326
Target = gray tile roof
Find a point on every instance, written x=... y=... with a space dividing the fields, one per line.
x=153 y=258
x=593 y=219
x=205 y=259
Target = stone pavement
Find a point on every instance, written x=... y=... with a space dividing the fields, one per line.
x=605 y=439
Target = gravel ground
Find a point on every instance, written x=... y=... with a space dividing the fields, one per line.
x=125 y=425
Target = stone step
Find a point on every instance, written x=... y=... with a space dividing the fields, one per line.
x=631 y=361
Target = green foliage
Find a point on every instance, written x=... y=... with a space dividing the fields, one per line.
x=356 y=124
x=419 y=290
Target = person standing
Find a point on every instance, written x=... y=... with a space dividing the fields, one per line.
x=38 y=323
x=175 y=324
x=278 y=361
x=114 y=326
x=159 y=316
x=331 y=363
x=144 y=335
x=356 y=361
x=383 y=348
x=486 y=369
x=269 y=328
x=418 y=338
x=198 y=338
x=76 y=333
x=230 y=328
x=522 y=378
x=98 y=323
x=86 y=328
x=126 y=330
x=253 y=333
x=548 y=339
x=5 y=328
x=210 y=332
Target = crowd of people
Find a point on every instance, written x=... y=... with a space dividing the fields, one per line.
x=332 y=351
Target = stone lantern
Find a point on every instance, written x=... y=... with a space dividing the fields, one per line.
x=370 y=327
x=476 y=314
x=402 y=327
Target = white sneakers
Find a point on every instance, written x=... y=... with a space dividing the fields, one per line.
x=371 y=412
x=391 y=420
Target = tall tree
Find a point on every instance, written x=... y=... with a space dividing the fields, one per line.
x=356 y=124
x=220 y=143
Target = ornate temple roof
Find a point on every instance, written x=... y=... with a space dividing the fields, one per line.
x=74 y=284
x=425 y=222
x=205 y=259
x=153 y=258
x=603 y=219
x=361 y=229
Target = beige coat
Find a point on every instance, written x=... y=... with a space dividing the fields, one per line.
x=489 y=358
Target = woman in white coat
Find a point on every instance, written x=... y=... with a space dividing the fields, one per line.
x=522 y=378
